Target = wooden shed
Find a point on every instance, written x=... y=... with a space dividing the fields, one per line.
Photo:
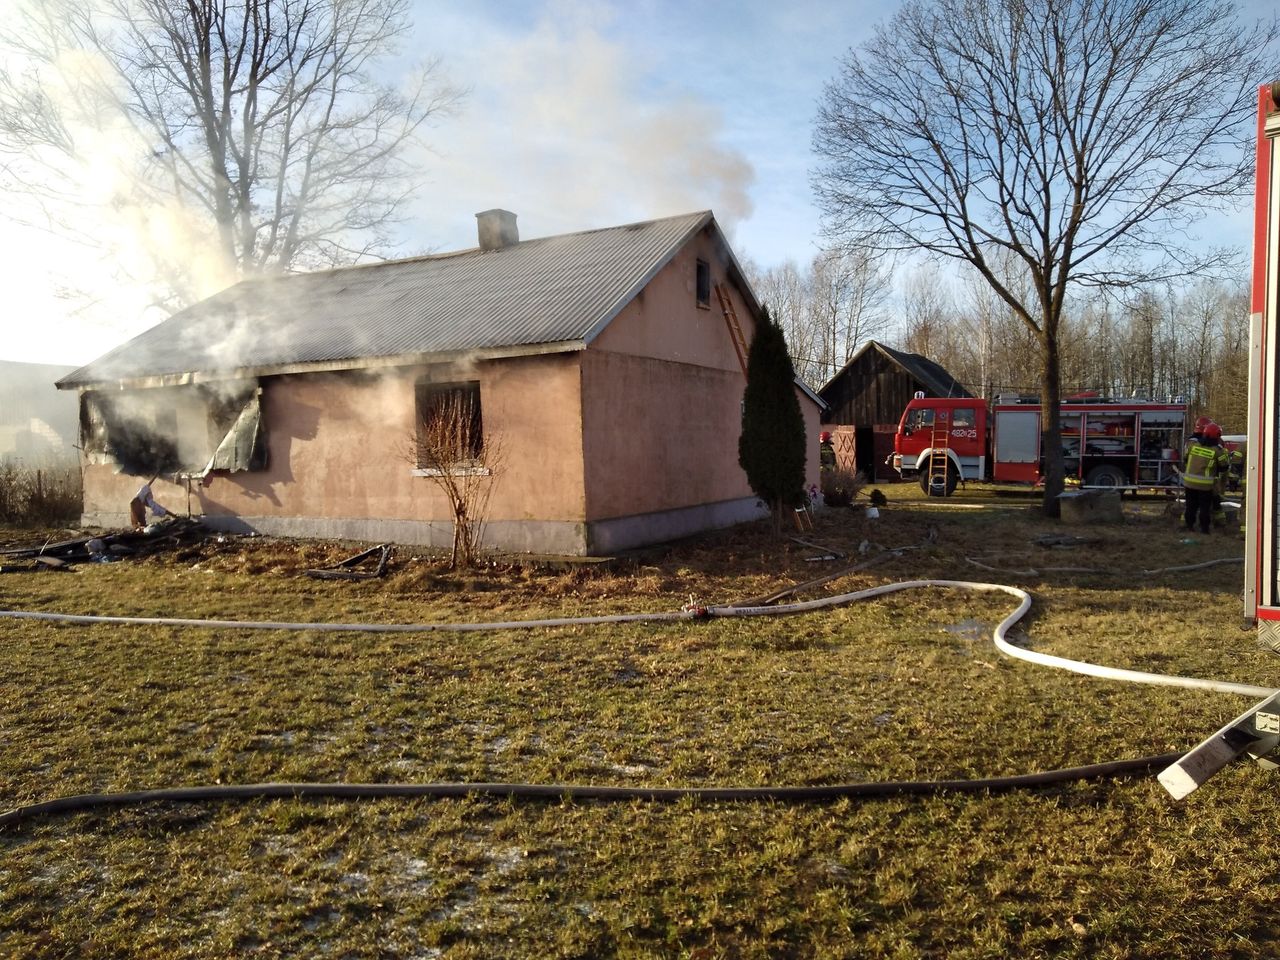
x=866 y=398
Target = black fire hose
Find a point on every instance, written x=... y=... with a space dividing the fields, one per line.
x=569 y=792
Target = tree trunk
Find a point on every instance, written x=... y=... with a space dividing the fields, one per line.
x=1051 y=422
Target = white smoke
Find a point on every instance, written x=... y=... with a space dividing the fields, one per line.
x=566 y=126
x=97 y=257
x=563 y=127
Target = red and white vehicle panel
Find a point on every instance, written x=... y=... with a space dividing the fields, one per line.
x=1262 y=565
x=1123 y=443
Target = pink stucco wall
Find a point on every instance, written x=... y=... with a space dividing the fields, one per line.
x=665 y=322
x=662 y=393
x=658 y=435
x=339 y=447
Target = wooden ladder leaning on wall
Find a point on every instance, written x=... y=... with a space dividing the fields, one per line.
x=735 y=328
x=939 y=457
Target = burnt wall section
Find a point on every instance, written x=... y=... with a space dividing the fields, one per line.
x=188 y=430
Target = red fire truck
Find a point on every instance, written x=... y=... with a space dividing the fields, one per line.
x=1105 y=443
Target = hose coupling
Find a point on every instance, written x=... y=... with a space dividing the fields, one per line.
x=698 y=611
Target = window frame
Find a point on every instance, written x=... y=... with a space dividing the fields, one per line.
x=916 y=420
x=464 y=464
x=702 y=283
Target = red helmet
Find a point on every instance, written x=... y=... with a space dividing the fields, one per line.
x=1201 y=423
x=824 y=437
x=1212 y=431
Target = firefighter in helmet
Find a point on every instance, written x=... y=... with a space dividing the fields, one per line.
x=1204 y=465
x=826 y=451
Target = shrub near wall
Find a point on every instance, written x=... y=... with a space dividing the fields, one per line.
x=840 y=486
x=31 y=496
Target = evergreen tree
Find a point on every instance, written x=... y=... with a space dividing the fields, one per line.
x=771 y=448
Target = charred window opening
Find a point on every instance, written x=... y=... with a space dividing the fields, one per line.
x=185 y=430
x=704 y=284
x=115 y=430
x=450 y=429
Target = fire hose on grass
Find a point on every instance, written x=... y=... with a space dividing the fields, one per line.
x=589 y=792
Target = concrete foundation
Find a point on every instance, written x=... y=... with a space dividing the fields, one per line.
x=612 y=536
x=601 y=538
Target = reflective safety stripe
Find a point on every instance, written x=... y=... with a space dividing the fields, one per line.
x=1203 y=466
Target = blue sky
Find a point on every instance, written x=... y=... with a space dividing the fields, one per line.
x=580 y=115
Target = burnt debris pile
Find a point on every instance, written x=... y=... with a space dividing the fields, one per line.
x=168 y=534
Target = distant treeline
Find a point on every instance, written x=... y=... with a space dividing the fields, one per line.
x=1187 y=340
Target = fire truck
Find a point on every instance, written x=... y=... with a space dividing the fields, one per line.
x=1132 y=444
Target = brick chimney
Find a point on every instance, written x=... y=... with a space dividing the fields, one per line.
x=497 y=229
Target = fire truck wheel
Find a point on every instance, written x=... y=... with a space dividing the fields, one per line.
x=938 y=484
x=1105 y=475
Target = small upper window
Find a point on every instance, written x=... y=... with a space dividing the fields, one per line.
x=704 y=284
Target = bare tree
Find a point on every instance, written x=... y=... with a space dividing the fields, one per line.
x=1000 y=350
x=785 y=291
x=262 y=116
x=1083 y=137
x=928 y=316
x=1227 y=388
x=847 y=293
x=450 y=446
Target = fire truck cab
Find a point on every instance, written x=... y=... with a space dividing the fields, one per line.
x=941 y=442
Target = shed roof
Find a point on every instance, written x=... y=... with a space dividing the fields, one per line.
x=551 y=294
x=937 y=382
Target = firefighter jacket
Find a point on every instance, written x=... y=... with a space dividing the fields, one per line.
x=1203 y=466
x=1235 y=464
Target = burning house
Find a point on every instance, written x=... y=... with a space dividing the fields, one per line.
x=607 y=366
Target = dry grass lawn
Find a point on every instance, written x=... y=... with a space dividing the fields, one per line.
x=907 y=687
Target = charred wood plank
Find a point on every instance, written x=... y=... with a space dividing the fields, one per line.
x=344 y=569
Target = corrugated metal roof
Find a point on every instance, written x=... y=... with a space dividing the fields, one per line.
x=933 y=376
x=554 y=292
